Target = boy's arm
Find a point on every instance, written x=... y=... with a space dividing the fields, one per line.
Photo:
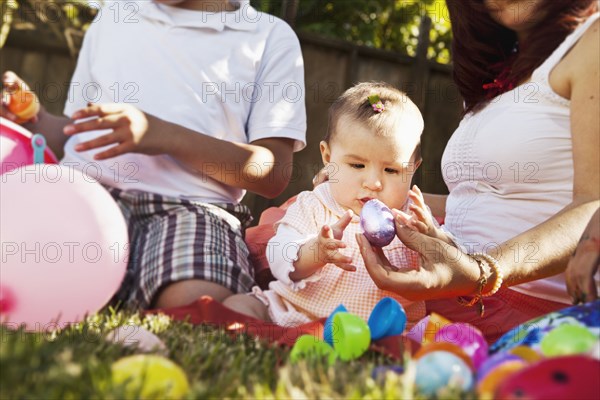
x=259 y=167
x=51 y=126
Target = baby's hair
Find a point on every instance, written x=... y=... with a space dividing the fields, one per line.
x=355 y=104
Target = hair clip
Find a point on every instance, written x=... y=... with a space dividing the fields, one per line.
x=376 y=103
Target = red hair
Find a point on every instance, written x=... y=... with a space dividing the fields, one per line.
x=483 y=49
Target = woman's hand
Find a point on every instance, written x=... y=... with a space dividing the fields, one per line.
x=585 y=263
x=445 y=271
x=133 y=131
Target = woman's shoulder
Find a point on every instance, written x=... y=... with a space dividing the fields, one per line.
x=584 y=60
x=581 y=62
x=589 y=44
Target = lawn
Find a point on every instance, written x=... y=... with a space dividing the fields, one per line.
x=75 y=363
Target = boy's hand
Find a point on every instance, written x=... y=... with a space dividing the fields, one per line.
x=420 y=219
x=133 y=130
x=329 y=243
x=10 y=83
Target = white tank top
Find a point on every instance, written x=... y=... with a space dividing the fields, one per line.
x=509 y=167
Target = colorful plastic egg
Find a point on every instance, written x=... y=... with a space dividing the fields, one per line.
x=494 y=361
x=150 y=376
x=435 y=322
x=328 y=328
x=24 y=104
x=444 y=346
x=567 y=377
x=526 y=353
x=468 y=338
x=567 y=339
x=595 y=351
x=377 y=222
x=352 y=337
x=308 y=346
x=487 y=385
x=387 y=318
x=441 y=369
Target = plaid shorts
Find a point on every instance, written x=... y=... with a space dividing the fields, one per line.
x=172 y=239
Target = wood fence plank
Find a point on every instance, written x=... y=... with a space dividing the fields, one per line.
x=11 y=59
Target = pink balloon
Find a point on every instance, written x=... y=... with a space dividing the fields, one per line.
x=64 y=245
x=15 y=147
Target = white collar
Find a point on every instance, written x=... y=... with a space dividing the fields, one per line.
x=245 y=18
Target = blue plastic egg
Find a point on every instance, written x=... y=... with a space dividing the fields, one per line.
x=440 y=369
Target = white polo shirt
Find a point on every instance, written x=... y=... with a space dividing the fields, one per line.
x=236 y=76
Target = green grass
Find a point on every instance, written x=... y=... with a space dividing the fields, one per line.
x=75 y=363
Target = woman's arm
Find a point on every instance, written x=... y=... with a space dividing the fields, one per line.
x=585 y=263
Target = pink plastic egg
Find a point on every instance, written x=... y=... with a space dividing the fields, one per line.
x=468 y=338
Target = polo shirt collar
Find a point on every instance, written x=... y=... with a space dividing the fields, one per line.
x=245 y=18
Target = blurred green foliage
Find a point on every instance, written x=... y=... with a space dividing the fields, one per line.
x=383 y=24
x=62 y=18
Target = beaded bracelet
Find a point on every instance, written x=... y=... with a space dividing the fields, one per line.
x=494 y=267
x=481 y=282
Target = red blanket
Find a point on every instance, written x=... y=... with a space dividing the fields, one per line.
x=208 y=311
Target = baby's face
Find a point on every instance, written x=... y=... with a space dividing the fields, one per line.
x=363 y=165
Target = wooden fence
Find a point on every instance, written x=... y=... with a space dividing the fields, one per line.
x=331 y=67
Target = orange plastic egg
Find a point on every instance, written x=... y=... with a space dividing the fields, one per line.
x=24 y=104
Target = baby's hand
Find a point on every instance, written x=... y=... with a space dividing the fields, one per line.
x=419 y=218
x=329 y=244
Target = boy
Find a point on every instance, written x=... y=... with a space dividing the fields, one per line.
x=179 y=108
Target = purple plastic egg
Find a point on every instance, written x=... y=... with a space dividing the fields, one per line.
x=377 y=221
x=493 y=362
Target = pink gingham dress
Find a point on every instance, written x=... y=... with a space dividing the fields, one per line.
x=294 y=303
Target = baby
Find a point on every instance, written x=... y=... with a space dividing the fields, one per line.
x=371 y=151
